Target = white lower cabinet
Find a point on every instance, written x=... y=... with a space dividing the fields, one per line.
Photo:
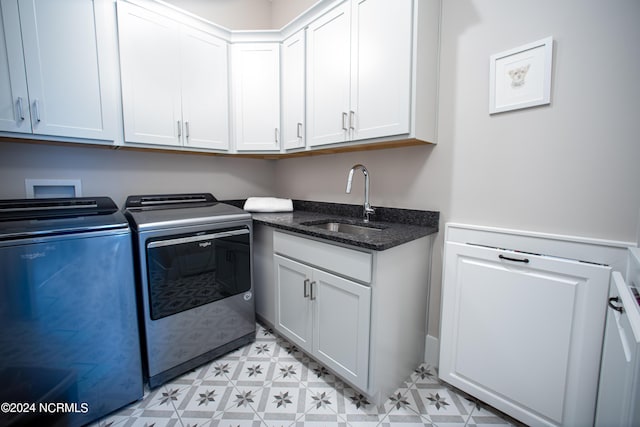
x=293 y=312
x=360 y=313
x=619 y=388
x=326 y=315
x=521 y=331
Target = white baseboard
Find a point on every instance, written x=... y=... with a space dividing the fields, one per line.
x=432 y=351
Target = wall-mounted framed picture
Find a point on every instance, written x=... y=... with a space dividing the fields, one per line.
x=521 y=77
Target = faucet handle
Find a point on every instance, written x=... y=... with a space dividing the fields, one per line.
x=368 y=210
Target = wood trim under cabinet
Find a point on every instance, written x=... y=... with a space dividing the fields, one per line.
x=266 y=156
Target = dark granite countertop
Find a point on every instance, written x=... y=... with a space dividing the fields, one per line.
x=398 y=225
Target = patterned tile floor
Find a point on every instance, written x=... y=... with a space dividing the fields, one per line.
x=271 y=383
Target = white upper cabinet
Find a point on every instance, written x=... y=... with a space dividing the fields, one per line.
x=14 y=97
x=359 y=72
x=293 y=91
x=328 y=77
x=150 y=73
x=380 y=68
x=205 y=91
x=343 y=73
x=256 y=96
x=174 y=82
x=55 y=62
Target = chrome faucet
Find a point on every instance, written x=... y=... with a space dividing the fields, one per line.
x=368 y=210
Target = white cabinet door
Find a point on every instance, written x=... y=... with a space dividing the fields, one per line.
x=380 y=68
x=65 y=51
x=359 y=72
x=293 y=304
x=205 y=100
x=256 y=96
x=293 y=54
x=14 y=98
x=341 y=326
x=328 y=77
x=325 y=315
x=523 y=332
x=150 y=68
x=619 y=388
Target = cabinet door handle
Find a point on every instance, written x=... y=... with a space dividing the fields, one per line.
x=276 y=134
x=186 y=129
x=506 y=258
x=344 y=121
x=352 y=120
x=305 y=291
x=313 y=295
x=299 y=133
x=20 y=109
x=179 y=129
x=615 y=307
x=36 y=110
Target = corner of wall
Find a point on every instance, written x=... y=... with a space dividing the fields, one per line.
x=432 y=351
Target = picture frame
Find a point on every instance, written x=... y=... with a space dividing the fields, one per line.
x=521 y=77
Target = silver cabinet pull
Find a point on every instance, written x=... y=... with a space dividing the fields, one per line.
x=299 y=134
x=179 y=129
x=344 y=121
x=36 y=110
x=305 y=291
x=313 y=295
x=186 y=129
x=352 y=120
x=20 y=109
x=276 y=135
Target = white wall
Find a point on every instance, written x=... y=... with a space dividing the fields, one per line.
x=119 y=173
x=570 y=168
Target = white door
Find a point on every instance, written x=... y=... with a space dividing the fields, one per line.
x=150 y=71
x=341 y=326
x=293 y=54
x=256 y=96
x=381 y=68
x=14 y=98
x=67 y=80
x=293 y=301
x=328 y=77
x=205 y=100
x=619 y=389
x=523 y=332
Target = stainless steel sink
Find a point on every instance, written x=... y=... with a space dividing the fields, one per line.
x=343 y=227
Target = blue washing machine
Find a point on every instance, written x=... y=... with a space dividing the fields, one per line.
x=69 y=341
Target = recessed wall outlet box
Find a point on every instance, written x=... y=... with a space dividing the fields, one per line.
x=45 y=188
